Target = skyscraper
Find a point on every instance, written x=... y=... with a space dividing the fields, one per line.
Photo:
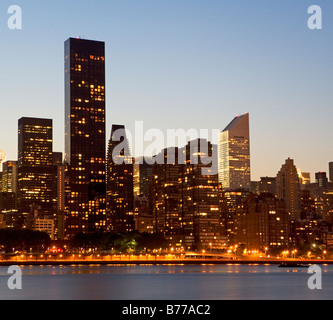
x=288 y=188
x=2 y=158
x=35 y=159
x=166 y=197
x=119 y=195
x=330 y=165
x=235 y=170
x=85 y=141
x=200 y=197
x=9 y=177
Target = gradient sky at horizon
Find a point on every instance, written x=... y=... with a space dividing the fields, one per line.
x=182 y=64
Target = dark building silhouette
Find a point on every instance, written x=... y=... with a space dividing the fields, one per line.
x=85 y=140
x=267 y=185
x=330 y=166
x=322 y=180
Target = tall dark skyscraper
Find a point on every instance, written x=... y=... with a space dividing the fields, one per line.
x=35 y=159
x=85 y=141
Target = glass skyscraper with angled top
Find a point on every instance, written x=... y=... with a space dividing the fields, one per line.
x=85 y=140
x=234 y=165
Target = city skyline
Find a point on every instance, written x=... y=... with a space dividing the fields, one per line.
x=158 y=150
x=285 y=105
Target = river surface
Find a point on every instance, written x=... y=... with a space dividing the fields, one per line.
x=166 y=282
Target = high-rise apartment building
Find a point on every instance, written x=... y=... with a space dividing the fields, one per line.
x=35 y=159
x=234 y=166
x=119 y=194
x=288 y=188
x=200 y=197
x=261 y=223
x=85 y=140
x=186 y=197
x=231 y=200
x=166 y=196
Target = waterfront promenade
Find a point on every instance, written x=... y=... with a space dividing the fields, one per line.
x=78 y=259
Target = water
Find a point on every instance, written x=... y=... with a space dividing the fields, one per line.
x=169 y=282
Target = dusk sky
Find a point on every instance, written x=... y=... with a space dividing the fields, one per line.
x=183 y=64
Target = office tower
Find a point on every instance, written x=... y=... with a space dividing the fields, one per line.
x=119 y=194
x=200 y=212
x=234 y=168
x=261 y=223
x=85 y=140
x=35 y=159
x=288 y=188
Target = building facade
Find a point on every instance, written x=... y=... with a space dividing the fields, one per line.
x=261 y=223
x=288 y=188
x=120 y=196
x=85 y=140
x=234 y=165
x=35 y=160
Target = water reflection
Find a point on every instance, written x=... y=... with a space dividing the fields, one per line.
x=164 y=282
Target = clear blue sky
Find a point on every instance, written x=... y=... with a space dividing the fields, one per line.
x=183 y=64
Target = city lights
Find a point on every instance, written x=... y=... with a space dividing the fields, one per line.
x=194 y=197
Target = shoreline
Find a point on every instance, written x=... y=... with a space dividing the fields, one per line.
x=160 y=262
